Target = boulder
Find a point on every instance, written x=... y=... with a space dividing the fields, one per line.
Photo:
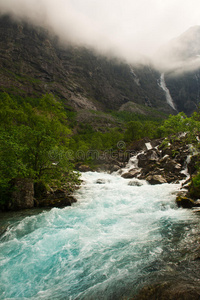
x=57 y=202
x=147 y=158
x=115 y=168
x=185 y=202
x=176 y=289
x=56 y=198
x=135 y=183
x=100 y=181
x=156 y=179
x=22 y=194
x=131 y=174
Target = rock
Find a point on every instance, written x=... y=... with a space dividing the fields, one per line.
x=139 y=145
x=185 y=202
x=55 y=198
x=22 y=194
x=156 y=179
x=171 y=165
x=197 y=203
x=176 y=289
x=57 y=202
x=131 y=174
x=192 y=164
x=135 y=183
x=83 y=168
x=115 y=168
x=147 y=157
x=164 y=159
x=100 y=181
x=40 y=190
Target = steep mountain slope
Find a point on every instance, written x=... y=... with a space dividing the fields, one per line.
x=33 y=62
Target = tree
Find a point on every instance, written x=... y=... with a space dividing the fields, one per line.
x=133 y=131
x=34 y=141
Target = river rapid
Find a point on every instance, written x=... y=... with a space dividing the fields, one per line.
x=121 y=235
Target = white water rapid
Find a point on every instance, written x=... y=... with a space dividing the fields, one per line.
x=166 y=90
x=115 y=239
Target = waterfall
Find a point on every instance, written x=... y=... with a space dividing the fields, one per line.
x=135 y=77
x=162 y=84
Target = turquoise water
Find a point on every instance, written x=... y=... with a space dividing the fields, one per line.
x=113 y=240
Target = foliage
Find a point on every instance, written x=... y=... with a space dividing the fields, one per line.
x=34 y=138
x=137 y=130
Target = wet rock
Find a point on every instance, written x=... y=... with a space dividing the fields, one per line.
x=131 y=174
x=185 y=202
x=57 y=202
x=135 y=183
x=156 y=179
x=56 y=198
x=101 y=181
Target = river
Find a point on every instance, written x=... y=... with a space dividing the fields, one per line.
x=119 y=236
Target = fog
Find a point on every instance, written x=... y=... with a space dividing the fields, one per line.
x=130 y=29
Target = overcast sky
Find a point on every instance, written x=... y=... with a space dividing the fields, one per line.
x=128 y=27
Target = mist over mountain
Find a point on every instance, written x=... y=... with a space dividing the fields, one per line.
x=181 y=54
x=131 y=30
x=33 y=61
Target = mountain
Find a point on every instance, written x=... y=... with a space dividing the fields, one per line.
x=185 y=48
x=34 y=62
x=182 y=69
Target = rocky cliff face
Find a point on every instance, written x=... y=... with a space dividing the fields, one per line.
x=33 y=62
x=182 y=74
x=185 y=90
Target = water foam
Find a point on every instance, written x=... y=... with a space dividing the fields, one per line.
x=110 y=241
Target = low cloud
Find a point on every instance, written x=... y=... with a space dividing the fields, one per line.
x=130 y=29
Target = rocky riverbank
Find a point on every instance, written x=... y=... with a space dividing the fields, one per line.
x=24 y=194
x=160 y=161
x=170 y=160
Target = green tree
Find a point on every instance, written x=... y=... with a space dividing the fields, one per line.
x=34 y=140
x=133 y=131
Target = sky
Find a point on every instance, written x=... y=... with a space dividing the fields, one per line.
x=128 y=28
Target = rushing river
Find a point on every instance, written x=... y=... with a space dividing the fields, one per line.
x=116 y=238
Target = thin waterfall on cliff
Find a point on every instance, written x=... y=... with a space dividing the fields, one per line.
x=162 y=84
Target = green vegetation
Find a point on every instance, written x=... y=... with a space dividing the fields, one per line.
x=40 y=139
x=34 y=138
